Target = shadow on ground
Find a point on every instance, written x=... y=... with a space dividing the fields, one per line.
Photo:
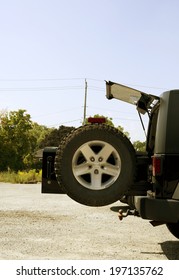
x=117 y=208
x=171 y=249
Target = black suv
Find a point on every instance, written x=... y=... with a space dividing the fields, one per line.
x=97 y=164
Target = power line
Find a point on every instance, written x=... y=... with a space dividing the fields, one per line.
x=75 y=78
x=40 y=79
x=124 y=119
x=50 y=79
x=151 y=87
x=42 y=88
x=57 y=113
x=96 y=88
x=65 y=122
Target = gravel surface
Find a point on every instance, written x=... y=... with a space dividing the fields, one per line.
x=47 y=226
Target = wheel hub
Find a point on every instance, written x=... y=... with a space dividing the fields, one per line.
x=96 y=165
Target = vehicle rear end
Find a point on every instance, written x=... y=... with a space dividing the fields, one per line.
x=161 y=205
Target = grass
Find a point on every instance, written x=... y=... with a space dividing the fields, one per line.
x=21 y=177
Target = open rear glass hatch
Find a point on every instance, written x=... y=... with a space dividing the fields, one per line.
x=142 y=100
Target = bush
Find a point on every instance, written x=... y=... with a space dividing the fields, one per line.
x=21 y=177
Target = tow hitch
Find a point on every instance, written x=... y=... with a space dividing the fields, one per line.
x=129 y=212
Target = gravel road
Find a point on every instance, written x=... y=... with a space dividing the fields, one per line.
x=47 y=226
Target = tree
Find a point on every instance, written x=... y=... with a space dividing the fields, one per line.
x=54 y=137
x=20 y=138
x=40 y=132
x=122 y=130
x=139 y=146
x=16 y=141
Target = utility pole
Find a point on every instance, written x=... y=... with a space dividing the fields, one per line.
x=85 y=100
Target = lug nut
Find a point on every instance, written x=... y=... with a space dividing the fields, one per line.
x=96 y=171
x=92 y=159
x=100 y=159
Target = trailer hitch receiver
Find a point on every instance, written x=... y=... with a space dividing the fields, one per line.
x=122 y=214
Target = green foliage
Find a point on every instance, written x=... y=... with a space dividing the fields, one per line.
x=139 y=146
x=122 y=130
x=21 y=177
x=19 y=139
x=40 y=132
x=15 y=140
x=54 y=137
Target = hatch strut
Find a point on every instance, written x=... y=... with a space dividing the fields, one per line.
x=141 y=120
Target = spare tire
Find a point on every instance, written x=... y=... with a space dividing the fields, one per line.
x=95 y=164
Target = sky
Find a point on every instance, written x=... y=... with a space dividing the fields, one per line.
x=48 y=48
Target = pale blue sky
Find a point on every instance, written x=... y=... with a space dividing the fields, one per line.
x=49 y=47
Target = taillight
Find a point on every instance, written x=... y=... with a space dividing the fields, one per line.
x=157 y=165
x=96 y=120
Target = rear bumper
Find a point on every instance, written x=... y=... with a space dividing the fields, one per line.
x=163 y=210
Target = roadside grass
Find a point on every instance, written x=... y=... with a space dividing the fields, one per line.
x=21 y=177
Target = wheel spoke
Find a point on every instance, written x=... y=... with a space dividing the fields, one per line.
x=81 y=169
x=87 y=152
x=110 y=169
x=105 y=152
x=96 y=180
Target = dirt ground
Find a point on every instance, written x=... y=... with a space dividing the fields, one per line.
x=45 y=226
